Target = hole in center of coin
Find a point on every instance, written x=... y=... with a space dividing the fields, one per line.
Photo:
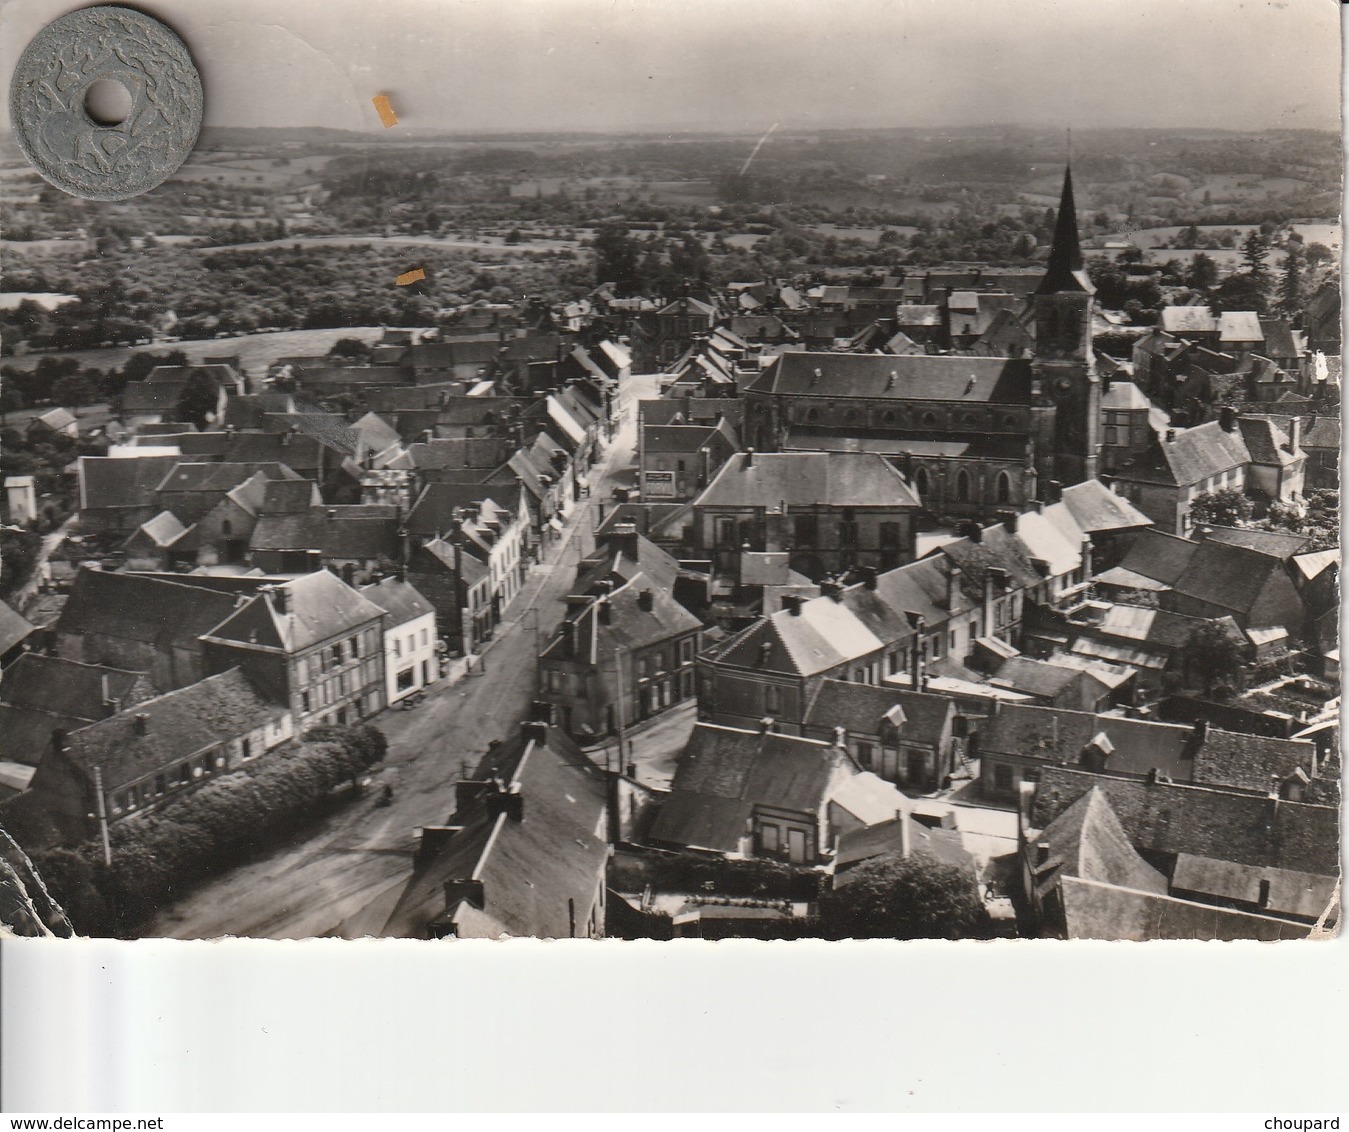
x=107 y=102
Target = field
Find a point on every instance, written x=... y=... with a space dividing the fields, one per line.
x=256 y=351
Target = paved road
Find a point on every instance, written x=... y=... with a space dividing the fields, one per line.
x=361 y=856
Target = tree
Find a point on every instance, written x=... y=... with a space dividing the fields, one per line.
x=1290 y=289
x=138 y=366
x=1210 y=656
x=1203 y=272
x=1226 y=508
x=616 y=258
x=74 y=390
x=894 y=897
x=350 y=348
x=198 y=401
x=514 y=236
x=1255 y=256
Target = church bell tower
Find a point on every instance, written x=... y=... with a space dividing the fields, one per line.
x=1066 y=389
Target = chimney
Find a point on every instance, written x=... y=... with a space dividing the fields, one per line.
x=1042 y=849
x=433 y=839
x=459 y=891
x=1036 y=506
x=974 y=532
x=646 y=601
x=953 y=576
x=1088 y=566
x=606 y=613
x=831 y=588
x=1053 y=491
x=792 y=604
x=535 y=730
x=767 y=725
x=1200 y=732
x=1227 y=419
x=507 y=801
x=142 y=723
x=281 y=599
x=1294 y=434
x=623 y=538
x=905 y=833
x=841 y=737
x=58 y=740
x=868 y=577
x=749 y=458
x=110 y=703
x=1264 y=894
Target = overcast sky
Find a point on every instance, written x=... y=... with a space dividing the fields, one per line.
x=744 y=64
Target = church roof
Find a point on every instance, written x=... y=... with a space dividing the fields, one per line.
x=1066 y=270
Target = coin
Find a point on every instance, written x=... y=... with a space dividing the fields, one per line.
x=65 y=143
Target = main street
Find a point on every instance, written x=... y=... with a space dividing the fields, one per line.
x=340 y=875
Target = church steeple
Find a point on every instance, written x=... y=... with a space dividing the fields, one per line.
x=1066 y=271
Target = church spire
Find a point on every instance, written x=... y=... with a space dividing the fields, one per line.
x=1066 y=271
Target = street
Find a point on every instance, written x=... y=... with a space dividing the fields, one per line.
x=336 y=877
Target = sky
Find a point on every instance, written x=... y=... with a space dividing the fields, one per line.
x=741 y=65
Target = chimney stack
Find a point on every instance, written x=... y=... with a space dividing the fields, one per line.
x=646 y=601
x=792 y=604
x=953 y=576
x=605 y=611
x=749 y=458
x=1053 y=491
x=905 y=833
x=868 y=577
x=142 y=723
x=506 y=801
x=767 y=725
x=623 y=538
x=1227 y=419
x=1294 y=434
x=831 y=587
x=459 y=891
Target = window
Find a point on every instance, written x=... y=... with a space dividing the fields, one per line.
x=119 y=802
x=805 y=530
x=1002 y=778
x=226 y=527
x=963 y=486
x=769 y=838
x=336 y=653
x=185 y=774
x=929 y=420
x=920 y=481
x=424 y=638
x=888 y=416
x=356 y=646
x=812 y=415
x=1003 y=488
x=847 y=532
x=686 y=651
x=397 y=647
x=864 y=755
x=772 y=698
x=725 y=532
x=160 y=784
x=969 y=419
x=641 y=668
x=305 y=702
x=404 y=680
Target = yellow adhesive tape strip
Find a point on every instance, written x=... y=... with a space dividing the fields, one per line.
x=416 y=275
x=385 y=110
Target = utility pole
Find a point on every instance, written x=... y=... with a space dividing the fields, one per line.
x=620 y=713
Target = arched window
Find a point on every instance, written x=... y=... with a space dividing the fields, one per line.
x=969 y=419
x=929 y=420
x=226 y=528
x=850 y=415
x=1003 y=488
x=812 y=415
x=889 y=416
x=962 y=486
x=1009 y=421
x=920 y=482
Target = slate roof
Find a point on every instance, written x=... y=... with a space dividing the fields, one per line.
x=327 y=429
x=1093 y=910
x=1283 y=545
x=887 y=837
x=529 y=869
x=1188 y=320
x=1160 y=556
x=1290 y=893
x=831 y=479
x=823 y=635
x=288 y=496
x=1230 y=577
x=1266 y=442
x=161 y=531
x=26 y=733
x=1245 y=762
x=918 y=587
x=739 y=770
x=1041 y=677
x=319 y=606
x=861 y=708
x=218 y=477
x=121 y=482
x=399 y=599
x=139 y=608
x=679 y=438
x=38 y=682
x=14 y=628
x=915 y=377
x=337 y=536
x=1194 y=454
x=1240 y=326
x=629 y=625
x=179 y=724
x=1086 y=840
x=1173 y=818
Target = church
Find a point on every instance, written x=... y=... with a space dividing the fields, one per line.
x=973 y=434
